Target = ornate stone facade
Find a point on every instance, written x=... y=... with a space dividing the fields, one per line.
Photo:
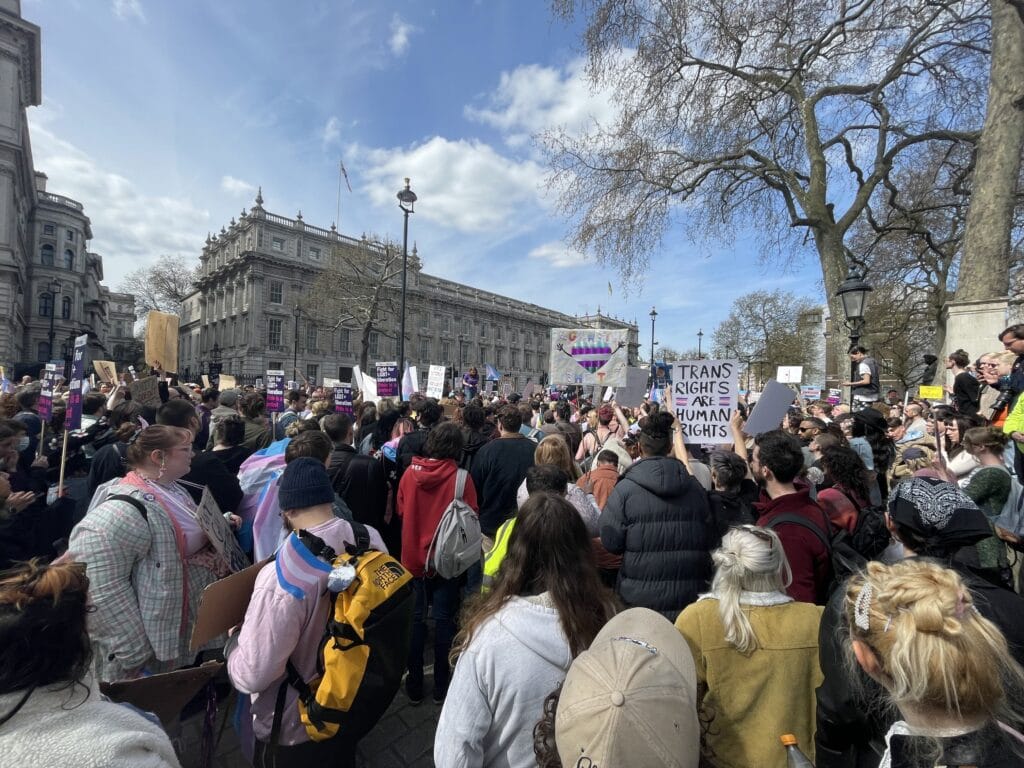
x=255 y=271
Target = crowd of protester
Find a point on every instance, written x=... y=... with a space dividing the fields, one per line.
x=851 y=578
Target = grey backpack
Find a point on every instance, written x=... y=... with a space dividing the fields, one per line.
x=457 y=541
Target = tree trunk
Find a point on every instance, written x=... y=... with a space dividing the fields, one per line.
x=364 y=347
x=985 y=265
x=829 y=242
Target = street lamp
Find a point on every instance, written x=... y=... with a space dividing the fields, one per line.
x=853 y=292
x=406 y=202
x=654 y=316
x=54 y=290
x=700 y=338
x=296 y=313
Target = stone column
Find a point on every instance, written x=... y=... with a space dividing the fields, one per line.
x=974 y=326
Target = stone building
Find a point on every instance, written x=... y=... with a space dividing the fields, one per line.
x=124 y=347
x=245 y=315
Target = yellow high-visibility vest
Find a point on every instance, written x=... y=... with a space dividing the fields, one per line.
x=494 y=556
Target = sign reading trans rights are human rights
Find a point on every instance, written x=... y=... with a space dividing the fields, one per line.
x=704 y=397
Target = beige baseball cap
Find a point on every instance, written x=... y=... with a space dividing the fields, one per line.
x=631 y=699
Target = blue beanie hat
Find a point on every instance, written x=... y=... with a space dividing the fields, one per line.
x=304 y=484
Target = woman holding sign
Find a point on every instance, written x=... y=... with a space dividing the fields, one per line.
x=148 y=559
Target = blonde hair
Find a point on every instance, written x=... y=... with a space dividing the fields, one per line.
x=750 y=559
x=934 y=649
x=554 y=450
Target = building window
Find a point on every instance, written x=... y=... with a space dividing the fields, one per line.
x=43 y=351
x=446 y=324
x=499 y=357
x=374 y=343
x=515 y=359
x=314 y=253
x=425 y=350
x=311 y=337
x=45 y=304
x=46 y=255
x=276 y=292
x=69 y=235
x=274 y=333
x=65 y=307
x=446 y=352
x=498 y=332
x=528 y=360
x=49 y=229
x=483 y=354
x=311 y=373
x=515 y=336
x=277 y=244
x=467 y=327
x=275 y=365
x=69 y=259
x=483 y=330
x=345 y=340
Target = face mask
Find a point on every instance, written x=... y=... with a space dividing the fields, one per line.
x=22 y=443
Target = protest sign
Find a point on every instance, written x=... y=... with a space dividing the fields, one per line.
x=529 y=390
x=589 y=356
x=609 y=394
x=106 y=370
x=435 y=381
x=387 y=380
x=369 y=389
x=931 y=393
x=505 y=386
x=162 y=340
x=226 y=381
x=332 y=383
x=275 y=391
x=166 y=694
x=357 y=377
x=44 y=406
x=810 y=393
x=259 y=382
x=73 y=419
x=835 y=396
x=219 y=532
x=789 y=374
x=223 y=604
x=343 y=399
x=703 y=396
x=635 y=390
x=146 y=391
x=206 y=381
x=772 y=407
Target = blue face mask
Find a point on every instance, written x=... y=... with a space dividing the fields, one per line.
x=22 y=443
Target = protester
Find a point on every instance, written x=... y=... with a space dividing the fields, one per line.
x=989 y=487
x=411 y=444
x=602 y=479
x=916 y=630
x=553 y=450
x=756 y=653
x=470 y=382
x=965 y=390
x=228 y=436
x=285 y=622
x=476 y=433
x=846 y=491
x=209 y=399
x=518 y=640
x=359 y=480
x=498 y=469
x=657 y=518
x=109 y=462
x=252 y=409
x=295 y=404
x=51 y=711
x=734 y=493
x=865 y=388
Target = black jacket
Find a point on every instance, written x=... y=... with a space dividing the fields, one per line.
x=498 y=470
x=474 y=442
x=851 y=724
x=409 y=446
x=361 y=482
x=208 y=470
x=658 y=518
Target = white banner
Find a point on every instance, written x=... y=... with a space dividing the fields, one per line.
x=589 y=357
x=435 y=381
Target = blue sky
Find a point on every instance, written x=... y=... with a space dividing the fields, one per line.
x=163 y=118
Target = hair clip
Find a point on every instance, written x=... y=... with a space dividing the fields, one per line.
x=862 y=608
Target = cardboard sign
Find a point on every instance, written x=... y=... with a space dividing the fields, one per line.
x=206 y=381
x=505 y=386
x=226 y=381
x=633 y=394
x=810 y=393
x=219 y=532
x=369 y=389
x=589 y=356
x=435 y=381
x=146 y=391
x=73 y=419
x=772 y=407
x=164 y=695
x=387 y=380
x=162 y=340
x=789 y=374
x=275 y=391
x=107 y=371
x=703 y=396
x=343 y=399
x=931 y=393
x=223 y=604
x=259 y=382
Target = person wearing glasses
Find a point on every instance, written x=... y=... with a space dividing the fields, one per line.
x=756 y=653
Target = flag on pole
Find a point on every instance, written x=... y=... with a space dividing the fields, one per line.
x=344 y=174
x=6 y=386
x=492 y=373
x=609 y=287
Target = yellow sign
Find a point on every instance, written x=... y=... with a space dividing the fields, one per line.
x=932 y=393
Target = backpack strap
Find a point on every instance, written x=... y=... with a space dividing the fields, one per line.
x=460 y=484
x=804 y=523
x=294 y=679
x=131 y=500
x=362 y=542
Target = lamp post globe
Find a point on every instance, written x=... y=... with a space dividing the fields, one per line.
x=407 y=203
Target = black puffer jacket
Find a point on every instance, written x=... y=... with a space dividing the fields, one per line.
x=657 y=518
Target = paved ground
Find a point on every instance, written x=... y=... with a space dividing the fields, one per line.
x=404 y=738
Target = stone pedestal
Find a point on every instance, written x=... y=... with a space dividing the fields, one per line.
x=974 y=326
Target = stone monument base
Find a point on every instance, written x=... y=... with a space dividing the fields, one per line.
x=973 y=326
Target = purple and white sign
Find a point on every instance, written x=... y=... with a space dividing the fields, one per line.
x=343 y=399
x=46 y=379
x=74 y=416
x=387 y=379
x=275 y=391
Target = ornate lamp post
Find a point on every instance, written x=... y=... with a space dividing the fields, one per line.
x=700 y=338
x=406 y=202
x=296 y=313
x=654 y=316
x=853 y=292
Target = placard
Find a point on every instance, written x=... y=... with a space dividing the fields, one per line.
x=275 y=391
x=589 y=356
x=259 y=382
x=44 y=406
x=165 y=695
x=835 y=396
x=206 y=381
x=226 y=381
x=435 y=381
x=703 y=396
x=218 y=531
x=789 y=374
x=810 y=393
x=529 y=390
x=772 y=407
x=387 y=380
x=107 y=371
x=505 y=386
x=632 y=395
x=931 y=393
x=146 y=391
x=369 y=389
x=162 y=340
x=73 y=419
x=343 y=399
x=223 y=604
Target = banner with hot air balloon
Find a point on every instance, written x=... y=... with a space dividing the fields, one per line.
x=589 y=357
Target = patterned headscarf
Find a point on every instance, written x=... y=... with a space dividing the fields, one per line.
x=941 y=514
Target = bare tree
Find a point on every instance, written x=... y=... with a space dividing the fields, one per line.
x=358 y=290
x=162 y=286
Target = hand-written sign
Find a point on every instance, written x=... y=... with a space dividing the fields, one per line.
x=435 y=381
x=387 y=379
x=146 y=391
x=219 y=532
x=931 y=393
x=107 y=370
x=44 y=406
x=73 y=420
x=703 y=396
x=275 y=391
x=343 y=399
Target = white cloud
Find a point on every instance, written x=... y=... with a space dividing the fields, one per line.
x=237 y=187
x=464 y=185
x=128 y=9
x=532 y=98
x=331 y=131
x=557 y=254
x=400 y=32
x=129 y=227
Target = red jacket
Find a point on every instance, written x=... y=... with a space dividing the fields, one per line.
x=808 y=558
x=424 y=493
